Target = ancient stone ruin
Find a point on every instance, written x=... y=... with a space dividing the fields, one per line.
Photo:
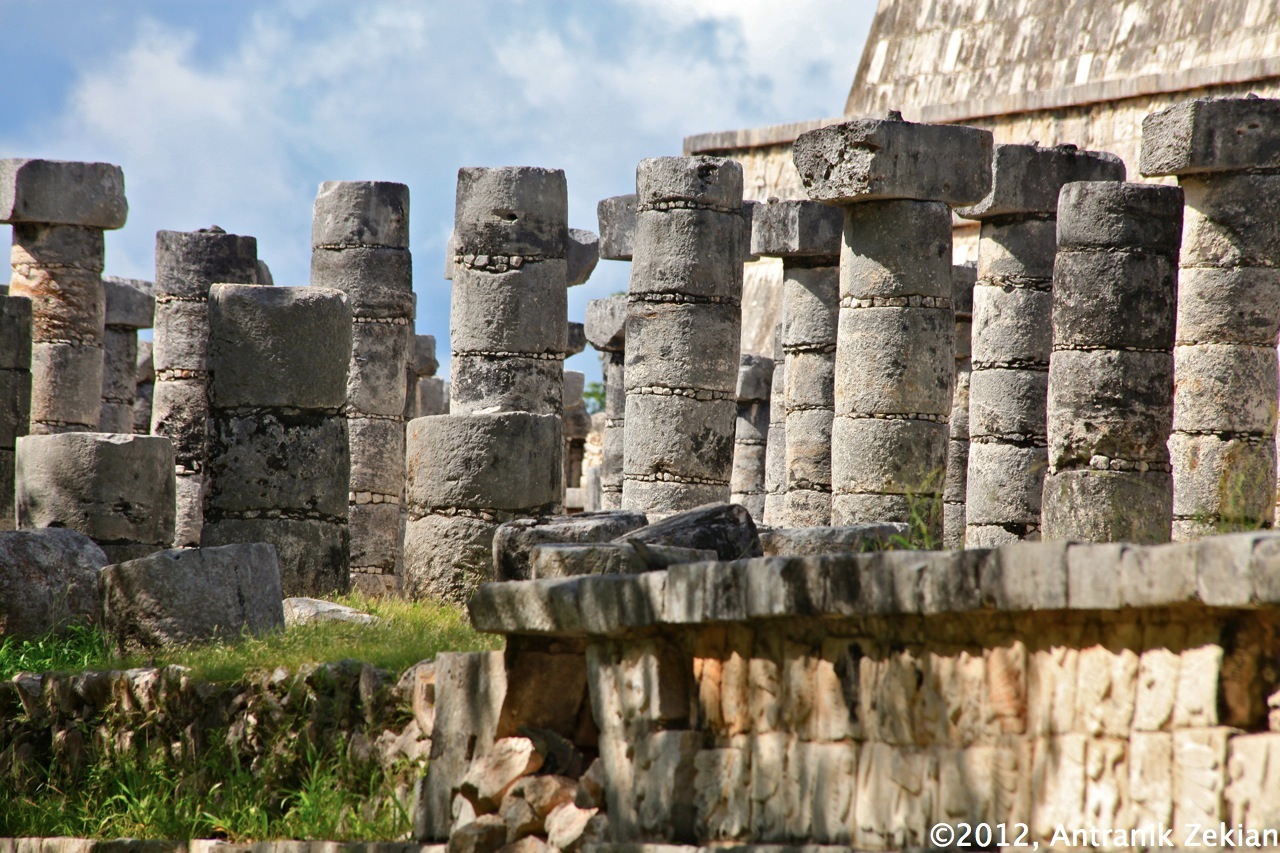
x=911 y=567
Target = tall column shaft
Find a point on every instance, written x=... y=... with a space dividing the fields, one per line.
x=15 y=393
x=130 y=306
x=775 y=459
x=751 y=433
x=963 y=279
x=683 y=327
x=810 y=306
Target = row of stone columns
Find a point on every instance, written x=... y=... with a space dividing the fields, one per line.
x=130 y=306
x=606 y=329
x=963 y=280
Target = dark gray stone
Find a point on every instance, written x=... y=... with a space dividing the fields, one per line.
x=361 y=213
x=608 y=558
x=726 y=529
x=583 y=255
x=1028 y=178
x=797 y=229
x=49 y=578
x=1211 y=135
x=511 y=210
x=617 y=217
x=62 y=193
x=514 y=541
x=815 y=541
x=131 y=302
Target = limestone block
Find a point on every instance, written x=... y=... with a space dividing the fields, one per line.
x=431 y=398
x=836 y=708
x=66 y=387
x=15 y=405
x=1196 y=700
x=423 y=352
x=1099 y=295
x=671 y=248
x=1222 y=478
x=797 y=228
x=361 y=213
x=179 y=410
x=726 y=529
x=1008 y=404
x=896 y=250
x=617 y=218
x=1225 y=388
x=815 y=541
x=1107 y=799
x=377 y=456
x=768 y=788
x=1159 y=576
x=900 y=361
x=190 y=488
x=665 y=778
x=888 y=456
x=311 y=611
x=1108 y=506
x=112 y=488
x=607 y=558
x=855 y=508
x=1057 y=783
x=821 y=786
x=1209 y=135
x=130 y=302
x=521 y=311
x=606 y=322
x=1253 y=777
x=1106 y=691
x=447 y=556
x=1027 y=178
x=1237 y=569
x=583 y=254
x=755 y=378
x=497 y=770
x=1226 y=220
x=1051 y=689
x=375 y=536
x=1116 y=404
x=484 y=384
x=1005 y=706
x=375 y=378
x=677 y=435
x=1232 y=305
x=567 y=825
x=50 y=578
x=511 y=210
x=514 y=541
x=611 y=603
x=278 y=346
x=1011 y=325
x=181 y=336
x=60 y=192
x=1157 y=679
x=378 y=282
x=15 y=333
x=483 y=834
x=897 y=791
x=192 y=595
x=264 y=462
x=1151 y=781
x=1199 y=777
x=869 y=159
x=313 y=555
x=1004 y=485
x=721 y=790
x=187 y=262
x=975 y=785
x=806 y=508
x=669 y=344
x=1113 y=214
x=507 y=461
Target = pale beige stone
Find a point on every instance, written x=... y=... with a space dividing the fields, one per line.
x=1196 y=704
x=1106 y=688
x=1052 y=690
x=664 y=781
x=768 y=765
x=799 y=672
x=830 y=771
x=1057 y=783
x=1252 y=794
x=1151 y=780
x=895 y=680
x=1157 y=687
x=1199 y=776
x=897 y=790
x=1006 y=693
x=735 y=683
x=967 y=785
x=835 y=691
x=765 y=688
x=492 y=774
x=1106 y=798
x=721 y=793
x=566 y=824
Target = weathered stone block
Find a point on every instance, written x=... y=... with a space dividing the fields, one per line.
x=361 y=213
x=1108 y=506
x=1027 y=178
x=895 y=250
x=1115 y=214
x=514 y=541
x=60 y=192
x=1220 y=388
x=583 y=254
x=1199 y=776
x=522 y=311
x=1116 y=404
x=607 y=323
x=672 y=246
x=376 y=377
x=1025 y=576
x=1010 y=326
x=1232 y=305
x=377 y=456
x=192 y=595
x=1117 y=300
x=617 y=217
x=1226 y=218
x=314 y=556
x=726 y=529
x=797 y=228
x=378 y=282
x=288 y=462
x=1211 y=134
x=669 y=344
x=50 y=578
x=375 y=537
x=886 y=456
x=447 y=557
x=483 y=384
x=187 y=262
x=511 y=210
x=900 y=361
x=608 y=558
x=130 y=302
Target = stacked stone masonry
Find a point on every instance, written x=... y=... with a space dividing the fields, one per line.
x=683 y=323
x=15 y=393
x=577 y=425
x=1110 y=404
x=187 y=263
x=144 y=388
x=1225 y=388
x=806 y=235
x=775 y=457
x=278 y=456
x=1012 y=307
x=895 y=359
x=130 y=306
x=59 y=211
x=963 y=279
x=859 y=700
x=606 y=326
x=360 y=246
x=751 y=433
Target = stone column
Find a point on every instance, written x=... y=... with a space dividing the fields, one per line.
x=59 y=211
x=751 y=433
x=577 y=424
x=279 y=460
x=806 y=235
x=187 y=263
x=15 y=393
x=116 y=489
x=963 y=278
x=1225 y=155
x=131 y=306
x=360 y=246
x=775 y=454
x=144 y=388
x=1111 y=372
x=684 y=319
x=606 y=328
x=1011 y=305
x=508 y=320
x=424 y=389
x=895 y=358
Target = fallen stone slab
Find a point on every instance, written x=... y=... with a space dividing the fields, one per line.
x=187 y=595
x=609 y=558
x=513 y=543
x=812 y=541
x=49 y=578
x=726 y=529
x=309 y=611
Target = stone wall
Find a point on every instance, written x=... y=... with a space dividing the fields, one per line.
x=859 y=700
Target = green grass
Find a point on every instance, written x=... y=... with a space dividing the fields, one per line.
x=324 y=796
x=406 y=633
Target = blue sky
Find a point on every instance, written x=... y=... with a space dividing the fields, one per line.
x=232 y=112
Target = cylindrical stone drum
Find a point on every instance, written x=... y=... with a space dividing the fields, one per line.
x=775 y=460
x=810 y=304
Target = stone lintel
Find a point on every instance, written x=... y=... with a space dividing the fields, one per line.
x=1211 y=135
x=57 y=192
x=606 y=325
x=1027 y=178
x=796 y=228
x=617 y=218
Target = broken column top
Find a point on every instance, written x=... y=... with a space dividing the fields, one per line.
x=583 y=255
x=871 y=159
x=575 y=382
x=424 y=356
x=755 y=378
x=796 y=228
x=607 y=323
x=963 y=279
x=577 y=339
x=1114 y=214
x=1027 y=178
x=617 y=216
x=131 y=302
x=676 y=182
x=1211 y=135
x=187 y=262
x=512 y=210
x=361 y=213
x=57 y=192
